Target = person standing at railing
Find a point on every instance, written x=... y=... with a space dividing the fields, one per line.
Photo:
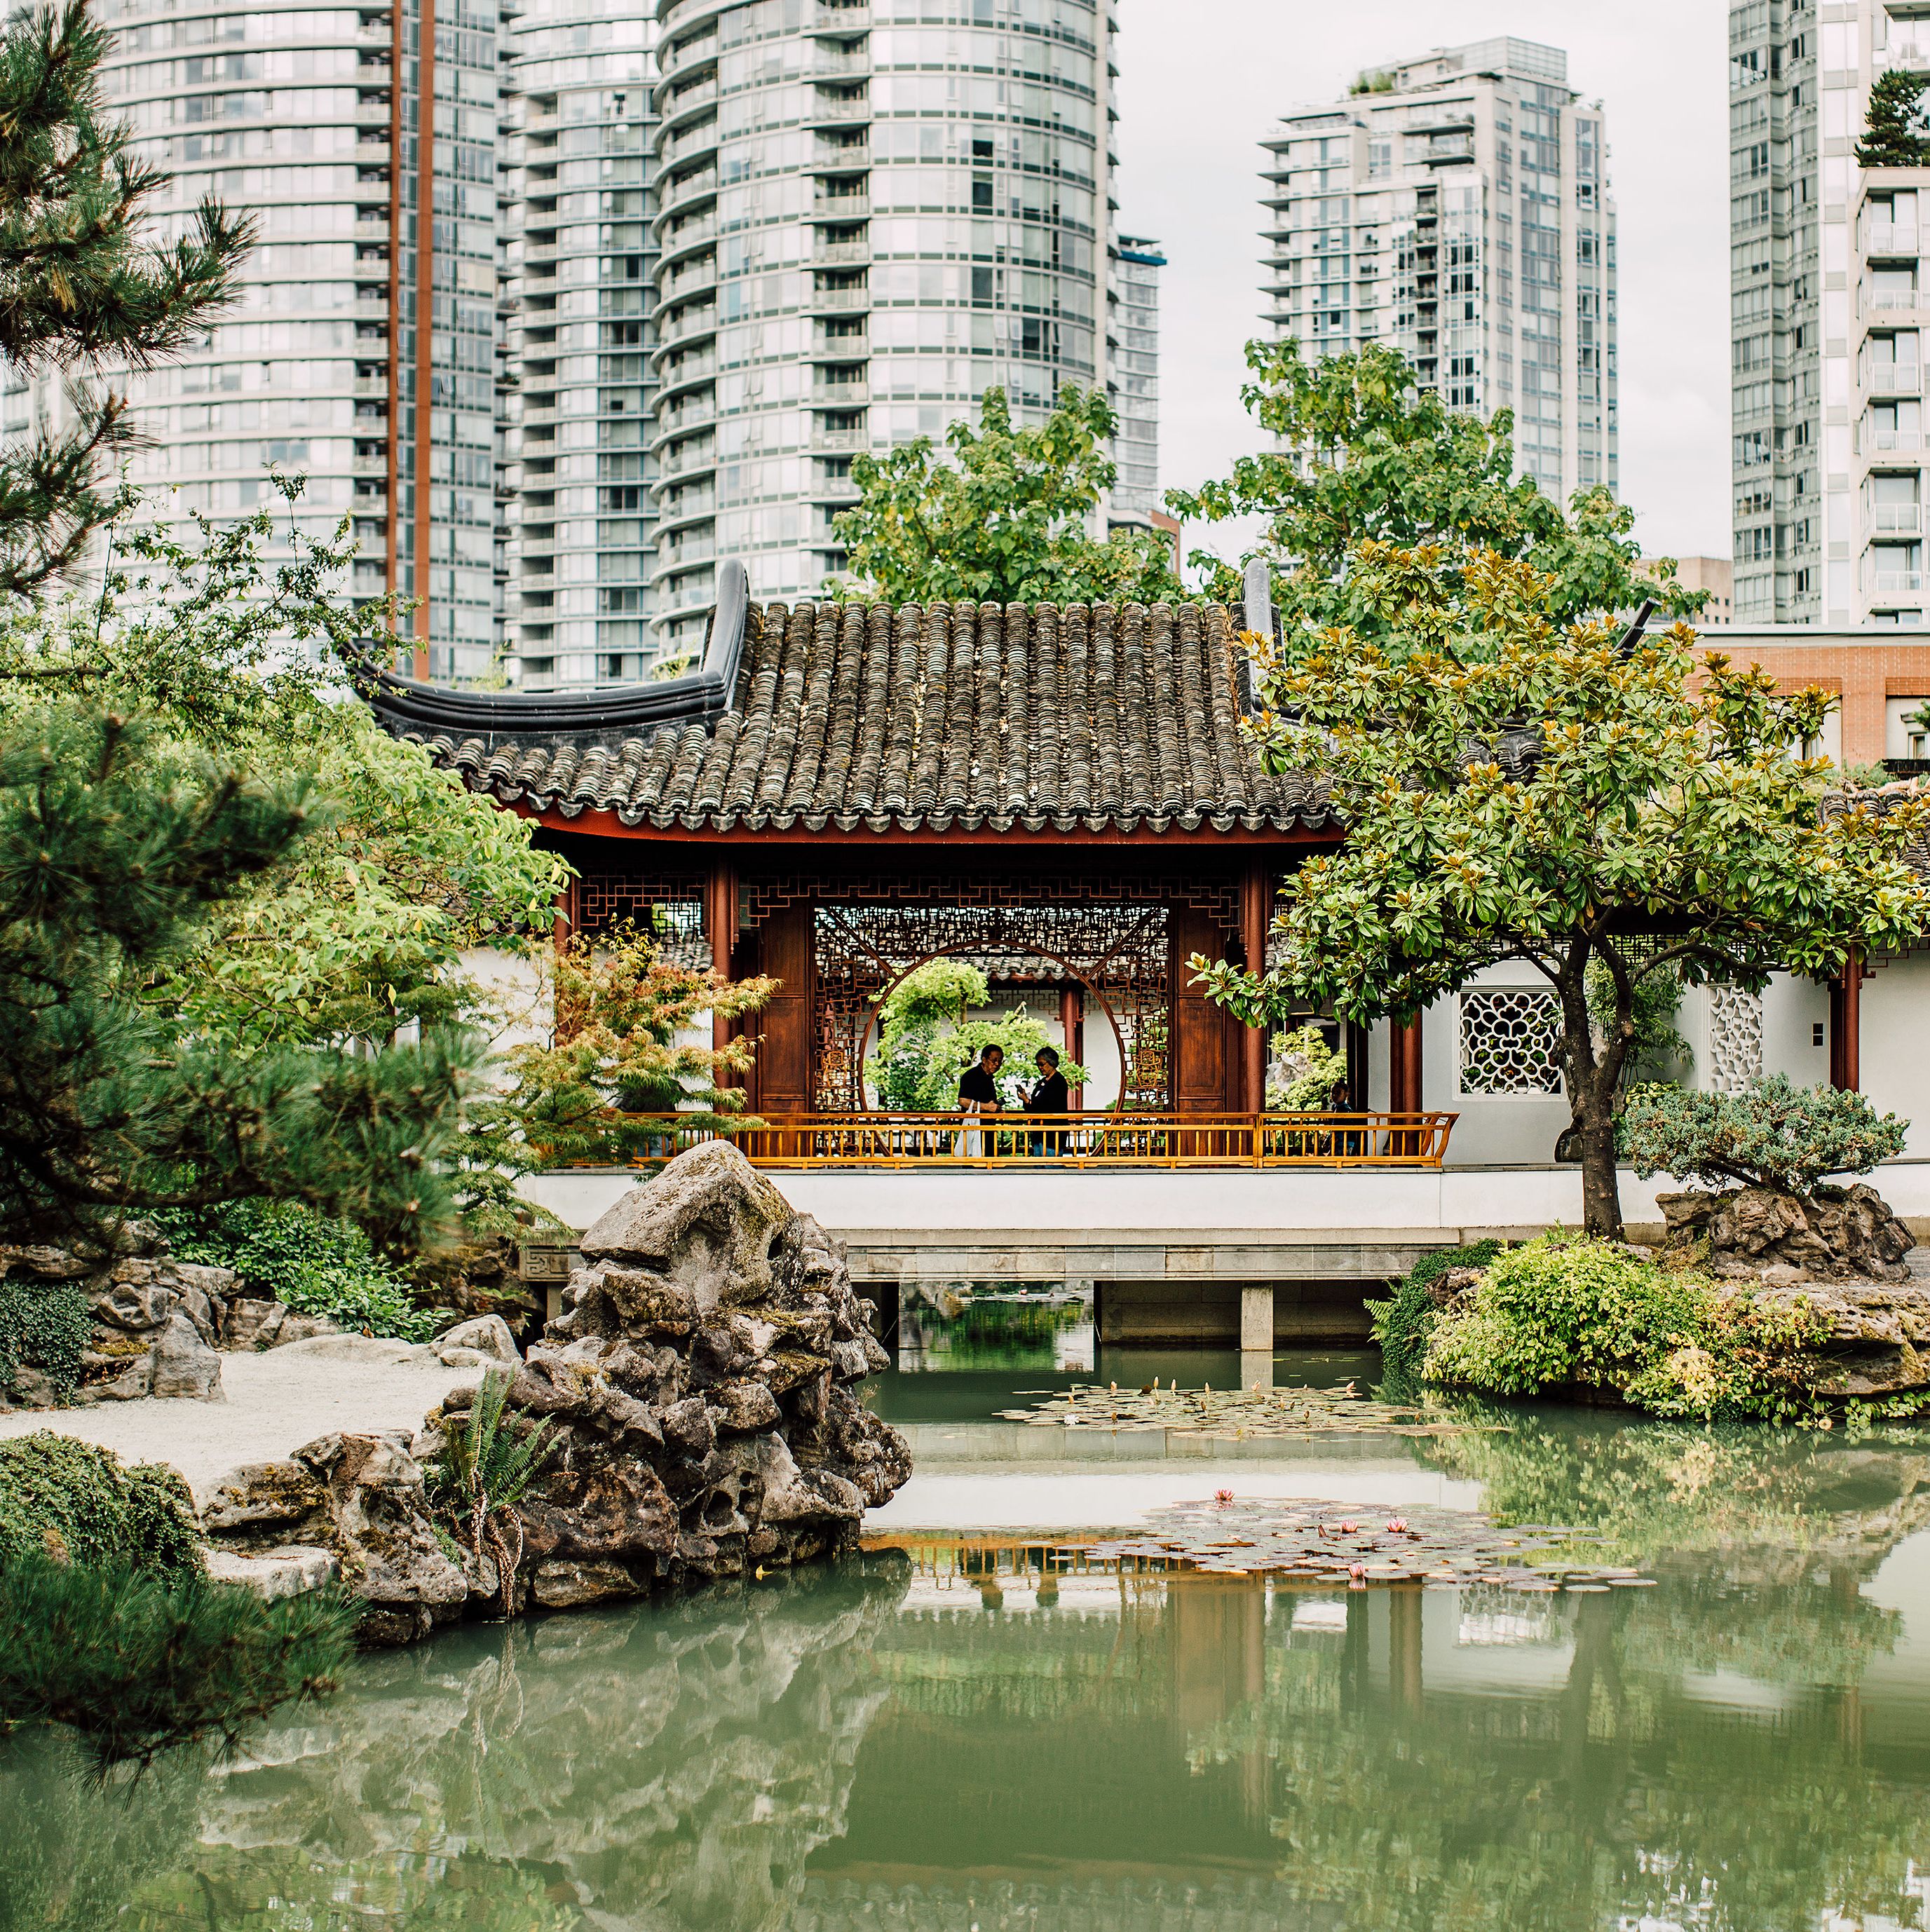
x=1052 y=1096
x=978 y=1093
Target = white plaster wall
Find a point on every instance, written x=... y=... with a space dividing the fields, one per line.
x=1493 y=1129
x=1895 y=1053
x=1317 y=1202
x=1793 y=1008
x=520 y=990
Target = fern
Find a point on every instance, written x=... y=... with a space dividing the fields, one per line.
x=483 y=1470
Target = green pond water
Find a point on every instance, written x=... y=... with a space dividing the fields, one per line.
x=987 y=1730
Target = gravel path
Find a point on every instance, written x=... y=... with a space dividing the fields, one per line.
x=276 y=1401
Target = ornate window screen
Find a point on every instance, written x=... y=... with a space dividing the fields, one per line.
x=1735 y=1038
x=1510 y=1041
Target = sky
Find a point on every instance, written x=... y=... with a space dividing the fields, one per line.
x=1202 y=82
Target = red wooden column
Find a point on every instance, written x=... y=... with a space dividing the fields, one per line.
x=1846 y=1025
x=1256 y=913
x=1403 y=1077
x=720 y=919
x=1072 y=1026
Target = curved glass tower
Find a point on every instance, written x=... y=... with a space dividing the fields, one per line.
x=867 y=215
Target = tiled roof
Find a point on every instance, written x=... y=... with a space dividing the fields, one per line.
x=972 y=716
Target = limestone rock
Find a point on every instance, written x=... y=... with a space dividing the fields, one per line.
x=486 y=1335
x=1833 y=1234
x=305 y=1328
x=184 y=1365
x=292 y=1571
x=252 y=1323
x=1880 y=1340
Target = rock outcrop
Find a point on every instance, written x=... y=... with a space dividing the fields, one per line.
x=1879 y=1342
x=1837 y=1234
x=153 y=1324
x=697 y=1396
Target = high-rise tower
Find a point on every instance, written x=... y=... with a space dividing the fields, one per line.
x=361 y=354
x=868 y=214
x=1456 y=207
x=1133 y=369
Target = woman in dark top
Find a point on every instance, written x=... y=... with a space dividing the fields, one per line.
x=1052 y=1096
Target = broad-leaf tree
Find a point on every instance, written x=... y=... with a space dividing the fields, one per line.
x=631 y=1040
x=362 y=928
x=1516 y=790
x=1002 y=518
x=1361 y=453
x=85 y=293
x=115 y=848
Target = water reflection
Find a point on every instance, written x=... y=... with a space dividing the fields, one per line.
x=993 y=1326
x=1005 y=1735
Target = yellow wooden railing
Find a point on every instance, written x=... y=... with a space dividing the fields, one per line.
x=1065 y=1140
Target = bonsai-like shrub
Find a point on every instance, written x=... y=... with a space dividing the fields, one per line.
x=1566 y=1312
x=67 y=1501
x=1305 y=1072
x=1771 y=1135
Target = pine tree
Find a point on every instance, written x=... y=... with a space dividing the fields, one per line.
x=115 y=845
x=1894 y=135
x=82 y=292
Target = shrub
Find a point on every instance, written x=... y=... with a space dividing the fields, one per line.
x=1564 y=1311
x=1771 y=1135
x=70 y=1502
x=1403 y=1323
x=317 y=1266
x=137 y=1665
x=44 y=1324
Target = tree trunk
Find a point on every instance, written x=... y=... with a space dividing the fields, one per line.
x=1601 y=1191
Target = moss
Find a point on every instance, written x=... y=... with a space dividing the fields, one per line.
x=44 y=1325
x=76 y=1503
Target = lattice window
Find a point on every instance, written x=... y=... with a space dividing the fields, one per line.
x=669 y=910
x=1510 y=1040
x=1735 y=1038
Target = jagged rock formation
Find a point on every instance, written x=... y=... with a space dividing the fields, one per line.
x=1879 y=1342
x=698 y=1391
x=1837 y=1234
x=153 y=1324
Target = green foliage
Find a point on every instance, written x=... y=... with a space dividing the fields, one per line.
x=1894 y=134
x=316 y=1265
x=87 y=292
x=1313 y=1072
x=45 y=1325
x=1646 y=791
x=116 y=844
x=1003 y=521
x=481 y=1471
x=1562 y=1311
x=1403 y=1323
x=65 y=1501
x=1655 y=1048
x=927 y=1039
x=1359 y=453
x=1770 y=1134
x=359 y=927
x=631 y=1040
x=138 y=1666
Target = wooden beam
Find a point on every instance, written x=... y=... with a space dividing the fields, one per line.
x=1846 y=1025
x=1072 y=1027
x=1255 y=914
x=720 y=918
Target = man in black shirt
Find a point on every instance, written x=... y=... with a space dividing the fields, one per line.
x=978 y=1086
x=1052 y=1096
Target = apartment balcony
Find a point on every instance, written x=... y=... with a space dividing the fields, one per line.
x=839 y=20
x=688 y=323
x=1895 y=379
x=701 y=186
x=1880 y=300
x=372 y=149
x=835 y=442
x=1898 y=583
x=840 y=254
x=1887 y=440
x=369 y=465
x=841 y=64
x=688 y=100
x=372 y=385
x=1893 y=518
x=841 y=208
x=839 y=395
x=829 y=110
x=839 y=301
x=699 y=140
x=1892 y=237
x=689 y=235
x=699 y=453
x=374 y=73
x=371 y=268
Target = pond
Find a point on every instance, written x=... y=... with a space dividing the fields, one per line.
x=976 y=1727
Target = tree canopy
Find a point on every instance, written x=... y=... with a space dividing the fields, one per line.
x=1362 y=454
x=1894 y=133
x=1003 y=518
x=84 y=292
x=1517 y=788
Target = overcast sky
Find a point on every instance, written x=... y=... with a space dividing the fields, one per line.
x=1201 y=82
